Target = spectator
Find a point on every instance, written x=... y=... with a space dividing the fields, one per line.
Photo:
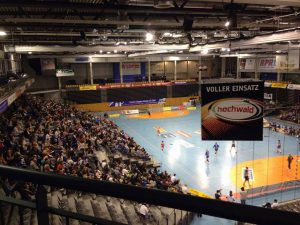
x=144 y=211
x=243 y=196
x=274 y=204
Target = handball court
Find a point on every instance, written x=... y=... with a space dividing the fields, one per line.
x=184 y=155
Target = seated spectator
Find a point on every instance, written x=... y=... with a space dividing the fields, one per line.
x=144 y=211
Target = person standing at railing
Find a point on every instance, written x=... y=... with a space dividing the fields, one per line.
x=243 y=196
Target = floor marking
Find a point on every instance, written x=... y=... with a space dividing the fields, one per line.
x=161 y=130
x=198 y=132
x=167 y=135
x=182 y=133
x=184 y=143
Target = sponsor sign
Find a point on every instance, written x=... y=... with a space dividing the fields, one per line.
x=268 y=96
x=267 y=63
x=139 y=102
x=88 y=88
x=250 y=64
x=3 y=106
x=294 y=86
x=65 y=73
x=247 y=64
x=133 y=68
x=232 y=111
x=288 y=62
x=279 y=85
x=130 y=112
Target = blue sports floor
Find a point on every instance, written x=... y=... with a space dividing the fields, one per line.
x=184 y=154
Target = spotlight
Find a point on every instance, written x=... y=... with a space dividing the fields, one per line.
x=227 y=23
x=149 y=36
x=3 y=33
x=100 y=51
x=115 y=51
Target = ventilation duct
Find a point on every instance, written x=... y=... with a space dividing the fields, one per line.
x=163 y=4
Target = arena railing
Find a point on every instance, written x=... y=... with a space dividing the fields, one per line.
x=216 y=208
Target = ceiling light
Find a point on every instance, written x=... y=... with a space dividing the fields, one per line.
x=108 y=52
x=204 y=52
x=115 y=51
x=149 y=36
x=163 y=4
x=100 y=51
x=29 y=53
x=125 y=43
x=223 y=49
x=118 y=43
x=3 y=33
x=177 y=35
x=228 y=49
x=278 y=51
x=180 y=51
x=167 y=34
x=227 y=24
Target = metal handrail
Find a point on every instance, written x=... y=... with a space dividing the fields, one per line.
x=228 y=210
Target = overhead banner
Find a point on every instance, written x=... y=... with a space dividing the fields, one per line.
x=139 y=102
x=232 y=111
x=133 y=68
x=88 y=88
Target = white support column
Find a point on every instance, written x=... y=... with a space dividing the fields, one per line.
x=238 y=72
x=223 y=67
x=199 y=76
x=187 y=69
x=256 y=74
x=279 y=76
x=121 y=73
x=59 y=84
x=91 y=73
x=175 y=70
x=149 y=70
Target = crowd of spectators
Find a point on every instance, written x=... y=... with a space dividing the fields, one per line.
x=55 y=138
x=291 y=114
x=289 y=130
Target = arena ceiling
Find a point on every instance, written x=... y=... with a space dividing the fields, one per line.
x=181 y=26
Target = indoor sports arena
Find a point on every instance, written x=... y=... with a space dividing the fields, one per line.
x=150 y=112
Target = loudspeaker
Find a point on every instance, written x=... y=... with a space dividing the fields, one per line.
x=188 y=23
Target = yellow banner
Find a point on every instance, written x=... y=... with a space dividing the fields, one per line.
x=88 y=88
x=167 y=109
x=191 y=108
x=279 y=85
x=198 y=193
x=113 y=115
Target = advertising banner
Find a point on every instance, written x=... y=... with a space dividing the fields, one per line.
x=250 y=64
x=64 y=73
x=232 y=111
x=140 y=102
x=294 y=86
x=288 y=62
x=267 y=64
x=268 y=96
x=133 y=68
x=279 y=85
x=88 y=88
